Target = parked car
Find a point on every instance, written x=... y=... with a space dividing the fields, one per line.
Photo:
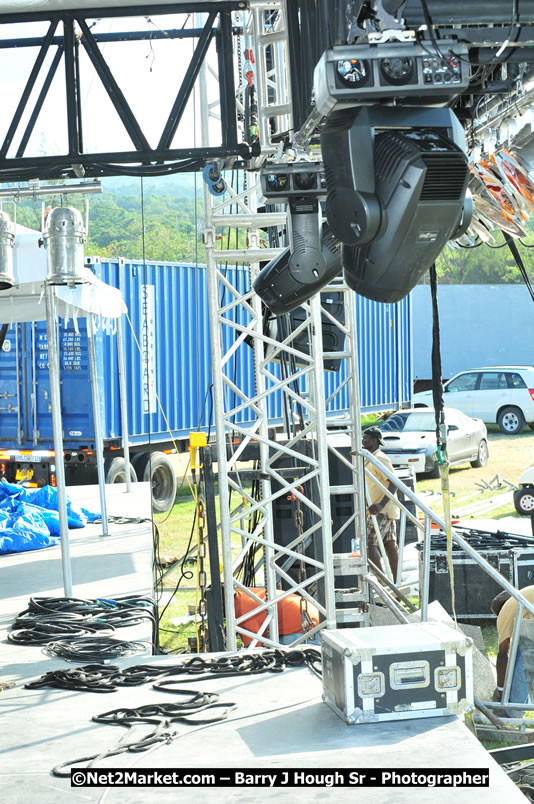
x=410 y=439
x=501 y=394
x=524 y=495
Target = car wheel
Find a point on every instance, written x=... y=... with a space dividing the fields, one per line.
x=524 y=501
x=511 y=421
x=483 y=455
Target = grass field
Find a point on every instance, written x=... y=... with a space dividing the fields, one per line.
x=178 y=530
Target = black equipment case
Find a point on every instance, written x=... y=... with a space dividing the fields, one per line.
x=512 y=555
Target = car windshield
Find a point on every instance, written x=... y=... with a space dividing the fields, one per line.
x=410 y=423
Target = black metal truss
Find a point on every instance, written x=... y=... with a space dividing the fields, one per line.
x=142 y=159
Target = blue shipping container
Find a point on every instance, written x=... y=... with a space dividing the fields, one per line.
x=167 y=348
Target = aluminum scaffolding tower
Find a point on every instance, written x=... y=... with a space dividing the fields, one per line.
x=290 y=390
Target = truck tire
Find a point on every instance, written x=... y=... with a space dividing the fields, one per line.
x=155 y=468
x=511 y=420
x=524 y=501
x=115 y=471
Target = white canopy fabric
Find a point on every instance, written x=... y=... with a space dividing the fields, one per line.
x=25 y=301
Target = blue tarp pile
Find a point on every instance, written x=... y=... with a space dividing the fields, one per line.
x=29 y=518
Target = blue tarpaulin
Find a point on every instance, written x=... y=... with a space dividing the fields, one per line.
x=29 y=518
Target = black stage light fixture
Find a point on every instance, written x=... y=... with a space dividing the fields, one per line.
x=313 y=257
x=289 y=279
x=406 y=73
x=397 y=181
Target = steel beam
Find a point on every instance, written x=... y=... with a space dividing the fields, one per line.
x=143 y=159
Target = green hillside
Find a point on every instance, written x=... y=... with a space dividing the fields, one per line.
x=172 y=212
x=173 y=220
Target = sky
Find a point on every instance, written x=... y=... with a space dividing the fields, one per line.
x=149 y=74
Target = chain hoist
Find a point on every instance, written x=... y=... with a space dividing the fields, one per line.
x=202 y=629
x=197 y=440
x=306 y=621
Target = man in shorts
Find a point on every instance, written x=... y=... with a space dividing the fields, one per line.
x=381 y=506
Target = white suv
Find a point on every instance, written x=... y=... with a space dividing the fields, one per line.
x=502 y=394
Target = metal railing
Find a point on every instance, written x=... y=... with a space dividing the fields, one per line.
x=430 y=517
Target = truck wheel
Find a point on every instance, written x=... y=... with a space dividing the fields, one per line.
x=157 y=470
x=115 y=471
x=511 y=421
x=524 y=501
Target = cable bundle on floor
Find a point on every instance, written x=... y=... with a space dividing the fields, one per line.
x=241 y=664
x=50 y=618
x=93 y=648
x=163 y=716
x=106 y=678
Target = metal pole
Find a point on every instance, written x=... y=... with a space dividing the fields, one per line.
x=57 y=426
x=217 y=372
x=402 y=539
x=124 y=409
x=425 y=587
x=17 y=377
x=98 y=425
x=514 y=644
x=319 y=401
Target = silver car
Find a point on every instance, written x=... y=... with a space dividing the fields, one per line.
x=410 y=439
x=498 y=394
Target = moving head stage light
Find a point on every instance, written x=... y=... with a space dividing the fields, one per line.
x=396 y=181
x=351 y=75
x=288 y=281
x=313 y=257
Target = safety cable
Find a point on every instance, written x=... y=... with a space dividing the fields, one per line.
x=441 y=428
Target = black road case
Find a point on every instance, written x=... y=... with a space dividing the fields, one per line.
x=511 y=555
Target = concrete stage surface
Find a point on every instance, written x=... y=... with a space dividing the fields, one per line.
x=279 y=721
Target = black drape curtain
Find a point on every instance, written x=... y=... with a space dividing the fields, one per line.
x=313 y=27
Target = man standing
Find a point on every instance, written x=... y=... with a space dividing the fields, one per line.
x=505 y=608
x=381 y=506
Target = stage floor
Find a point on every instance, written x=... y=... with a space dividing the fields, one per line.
x=102 y=566
x=279 y=720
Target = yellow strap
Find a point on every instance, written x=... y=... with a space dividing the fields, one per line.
x=445 y=490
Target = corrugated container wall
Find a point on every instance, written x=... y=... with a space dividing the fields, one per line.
x=168 y=361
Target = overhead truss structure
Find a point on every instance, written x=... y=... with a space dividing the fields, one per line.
x=290 y=475
x=69 y=34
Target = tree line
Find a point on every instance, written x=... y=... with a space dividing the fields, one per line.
x=164 y=222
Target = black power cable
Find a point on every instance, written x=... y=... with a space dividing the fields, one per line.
x=163 y=716
x=106 y=678
x=520 y=264
x=48 y=618
x=93 y=649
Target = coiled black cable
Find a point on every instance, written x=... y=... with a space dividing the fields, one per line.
x=106 y=678
x=48 y=618
x=93 y=648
